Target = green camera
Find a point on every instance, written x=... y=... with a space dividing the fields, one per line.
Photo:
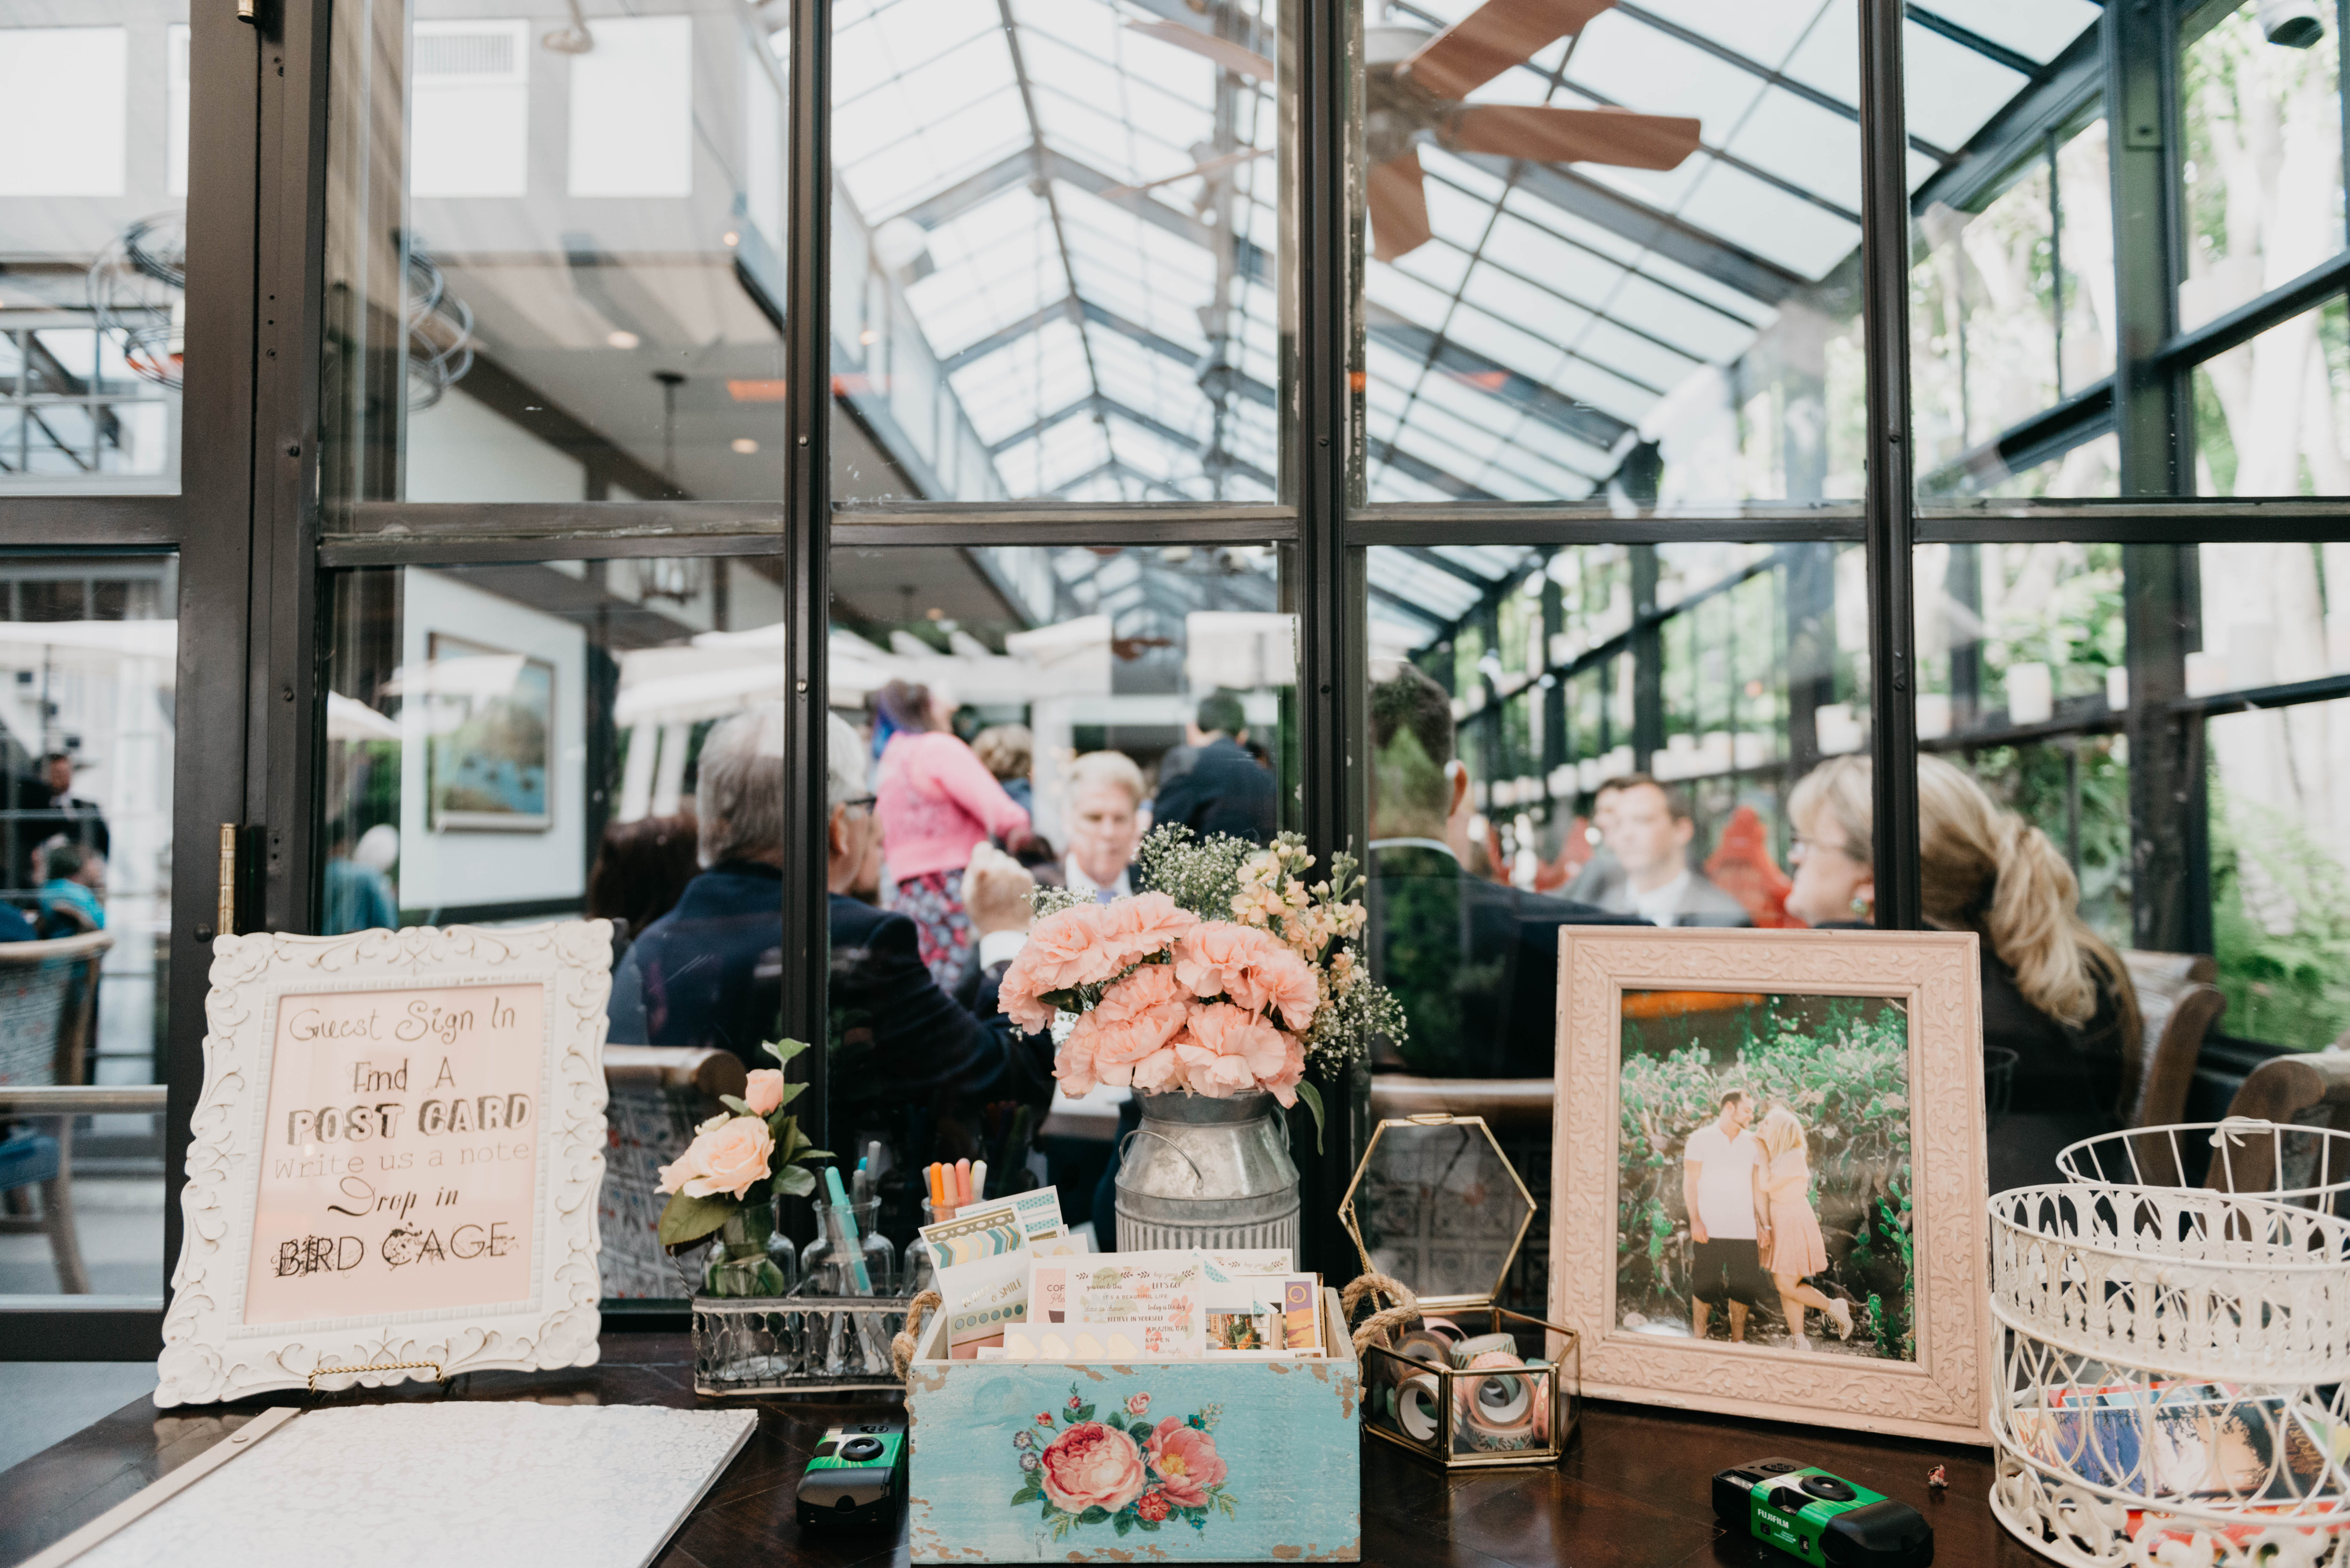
x=1823 y=1518
x=856 y=1476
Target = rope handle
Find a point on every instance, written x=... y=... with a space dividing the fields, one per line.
x=903 y=1347
x=1374 y=1329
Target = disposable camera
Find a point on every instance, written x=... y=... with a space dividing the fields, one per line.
x=857 y=1478
x=1823 y=1518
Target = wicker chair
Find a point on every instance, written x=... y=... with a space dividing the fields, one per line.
x=2179 y=1004
x=49 y=994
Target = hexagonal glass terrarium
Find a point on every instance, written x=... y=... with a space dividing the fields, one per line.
x=1437 y=1207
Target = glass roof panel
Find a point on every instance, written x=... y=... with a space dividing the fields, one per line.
x=1762 y=33
x=1629 y=63
x=1805 y=145
x=2041 y=29
x=1771 y=224
x=1948 y=90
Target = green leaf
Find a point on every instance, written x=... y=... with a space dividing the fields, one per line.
x=1093 y=1515
x=1028 y=1493
x=791 y=1091
x=1124 y=1523
x=795 y=1182
x=1083 y=1413
x=815 y=1154
x=691 y=1219
x=740 y=1106
x=1152 y=1525
x=784 y=1050
x=1313 y=1099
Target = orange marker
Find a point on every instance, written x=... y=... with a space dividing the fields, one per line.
x=963 y=1182
x=938 y=1191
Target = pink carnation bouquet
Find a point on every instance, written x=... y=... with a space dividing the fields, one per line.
x=1232 y=975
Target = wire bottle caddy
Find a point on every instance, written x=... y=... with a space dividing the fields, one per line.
x=2174 y=1359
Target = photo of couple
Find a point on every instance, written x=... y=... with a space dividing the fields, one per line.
x=1763 y=1171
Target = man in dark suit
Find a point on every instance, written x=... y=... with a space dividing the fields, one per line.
x=1224 y=789
x=1474 y=962
x=907 y=1063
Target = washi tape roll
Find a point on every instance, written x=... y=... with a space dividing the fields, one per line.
x=1443 y=1327
x=1419 y=1403
x=1422 y=1345
x=1499 y=1415
x=1466 y=1352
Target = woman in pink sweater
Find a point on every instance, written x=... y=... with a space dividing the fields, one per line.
x=936 y=801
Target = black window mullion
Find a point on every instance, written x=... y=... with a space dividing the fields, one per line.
x=807 y=355
x=1890 y=509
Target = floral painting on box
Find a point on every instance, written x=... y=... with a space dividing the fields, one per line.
x=1121 y=1468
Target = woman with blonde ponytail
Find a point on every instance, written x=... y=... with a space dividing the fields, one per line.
x=2053 y=991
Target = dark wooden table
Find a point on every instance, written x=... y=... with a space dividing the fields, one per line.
x=1631 y=1493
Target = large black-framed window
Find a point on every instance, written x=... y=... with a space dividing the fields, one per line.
x=368 y=364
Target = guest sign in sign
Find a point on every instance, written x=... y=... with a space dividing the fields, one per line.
x=395 y=1159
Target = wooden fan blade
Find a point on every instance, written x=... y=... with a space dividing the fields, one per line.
x=1398 y=203
x=1224 y=51
x=1614 y=136
x=1493 y=37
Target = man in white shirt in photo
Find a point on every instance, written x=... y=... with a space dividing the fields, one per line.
x=1720 y=1183
x=1649 y=834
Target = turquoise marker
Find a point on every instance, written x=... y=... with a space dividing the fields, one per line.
x=846 y=1238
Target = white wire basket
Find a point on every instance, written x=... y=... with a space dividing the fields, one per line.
x=2308 y=1166
x=2172 y=1376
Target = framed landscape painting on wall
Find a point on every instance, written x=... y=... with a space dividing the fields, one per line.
x=490 y=721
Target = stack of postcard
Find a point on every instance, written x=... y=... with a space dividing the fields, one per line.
x=983 y=1256
x=1167 y=1305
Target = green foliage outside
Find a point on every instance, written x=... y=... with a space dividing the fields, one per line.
x=1841 y=1064
x=2291 y=988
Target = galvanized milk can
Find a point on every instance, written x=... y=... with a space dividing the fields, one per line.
x=1203 y=1172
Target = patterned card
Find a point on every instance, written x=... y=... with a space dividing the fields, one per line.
x=1262 y=1315
x=983 y=1230
x=1155 y=1294
x=981 y=1298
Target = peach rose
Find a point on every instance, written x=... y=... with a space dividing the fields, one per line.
x=1163 y=1069
x=1135 y=1017
x=1144 y=925
x=1185 y=1458
x=1068 y=950
x=1228 y=1051
x=1073 y=1064
x=1213 y=951
x=727 y=1155
x=1276 y=979
x=1089 y=1466
x=764 y=1091
x=1284 y=1084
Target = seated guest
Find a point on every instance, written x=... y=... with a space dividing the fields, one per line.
x=1010 y=753
x=907 y=1063
x=641 y=869
x=1222 y=788
x=2053 y=991
x=1602 y=875
x=72 y=878
x=1650 y=834
x=1474 y=962
x=710 y=971
x=1106 y=794
x=15 y=927
x=356 y=896
x=936 y=800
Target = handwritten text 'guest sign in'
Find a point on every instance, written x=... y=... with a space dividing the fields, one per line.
x=399 y=1155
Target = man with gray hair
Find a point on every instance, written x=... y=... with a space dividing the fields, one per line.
x=710 y=972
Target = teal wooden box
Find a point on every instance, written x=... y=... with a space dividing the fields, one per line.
x=1253 y=1461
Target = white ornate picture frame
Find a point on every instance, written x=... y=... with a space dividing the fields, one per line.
x=1944 y=1391
x=513 y=1172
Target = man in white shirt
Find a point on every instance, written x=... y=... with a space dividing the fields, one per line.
x=1650 y=834
x=1104 y=825
x=1721 y=1184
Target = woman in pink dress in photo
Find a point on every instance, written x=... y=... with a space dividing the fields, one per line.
x=1790 y=1242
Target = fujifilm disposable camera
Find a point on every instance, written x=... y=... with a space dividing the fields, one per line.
x=857 y=1478
x=1823 y=1518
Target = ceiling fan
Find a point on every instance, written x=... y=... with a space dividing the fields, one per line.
x=1415 y=81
